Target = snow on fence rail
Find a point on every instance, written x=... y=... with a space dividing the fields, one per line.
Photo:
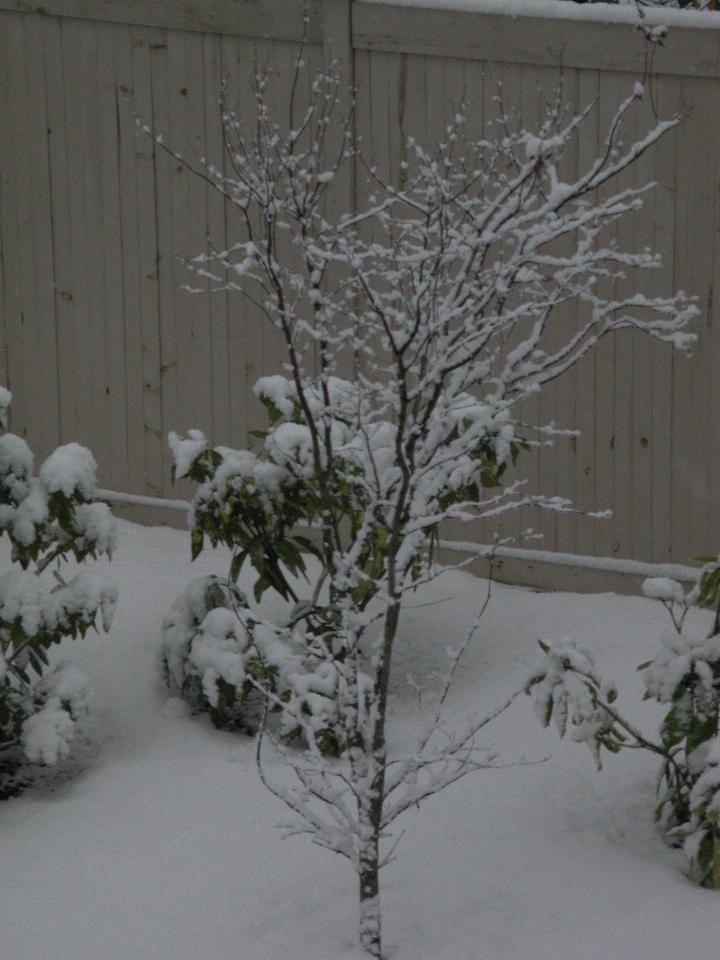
x=101 y=344
x=483 y=551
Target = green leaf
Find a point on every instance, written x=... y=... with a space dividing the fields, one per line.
x=196 y=543
x=547 y=716
x=261 y=585
x=236 y=566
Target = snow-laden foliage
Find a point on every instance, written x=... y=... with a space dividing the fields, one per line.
x=685 y=676
x=219 y=655
x=413 y=330
x=570 y=693
x=48 y=518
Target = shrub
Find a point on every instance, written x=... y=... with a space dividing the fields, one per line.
x=48 y=519
x=684 y=676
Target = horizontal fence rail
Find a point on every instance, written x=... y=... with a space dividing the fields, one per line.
x=101 y=343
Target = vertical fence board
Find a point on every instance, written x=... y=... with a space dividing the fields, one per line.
x=699 y=139
x=40 y=270
x=615 y=89
x=714 y=349
x=110 y=245
x=147 y=249
x=126 y=107
x=219 y=388
x=661 y=209
x=609 y=94
x=236 y=73
x=682 y=471
x=78 y=365
x=19 y=372
x=588 y=83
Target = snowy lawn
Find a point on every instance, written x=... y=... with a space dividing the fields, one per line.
x=157 y=842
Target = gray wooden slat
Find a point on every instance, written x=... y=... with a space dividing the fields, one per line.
x=95 y=320
x=38 y=269
x=19 y=372
x=697 y=149
x=126 y=107
x=165 y=174
x=4 y=186
x=622 y=345
x=110 y=245
x=187 y=135
x=541 y=41
x=610 y=92
x=249 y=18
x=61 y=226
x=661 y=206
x=78 y=364
x=713 y=347
x=564 y=84
x=640 y=367
x=219 y=388
x=153 y=437
x=585 y=407
x=236 y=72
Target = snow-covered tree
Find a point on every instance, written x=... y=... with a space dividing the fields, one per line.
x=413 y=331
x=47 y=518
x=685 y=676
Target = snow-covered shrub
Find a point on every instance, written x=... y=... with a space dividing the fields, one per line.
x=440 y=295
x=225 y=661
x=210 y=654
x=48 y=518
x=685 y=676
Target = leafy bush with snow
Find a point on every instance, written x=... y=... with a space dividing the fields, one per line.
x=251 y=503
x=225 y=661
x=685 y=676
x=48 y=518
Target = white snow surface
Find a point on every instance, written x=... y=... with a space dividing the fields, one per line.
x=69 y=468
x=158 y=841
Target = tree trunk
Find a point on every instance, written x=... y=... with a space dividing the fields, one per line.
x=370 y=807
x=370 y=921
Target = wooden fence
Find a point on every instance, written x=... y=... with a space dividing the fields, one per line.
x=100 y=343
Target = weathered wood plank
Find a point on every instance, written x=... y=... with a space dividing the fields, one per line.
x=248 y=18
x=541 y=41
x=19 y=372
x=660 y=208
x=698 y=138
x=219 y=387
x=147 y=250
x=609 y=95
x=94 y=323
x=713 y=347
x=126 y=107
x=588 y=83
x=165 y=175
x=626 y=234
x=79 y=360
x=110 y=246
x=61 y=226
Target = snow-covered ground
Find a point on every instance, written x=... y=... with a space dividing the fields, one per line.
x=158 y=841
